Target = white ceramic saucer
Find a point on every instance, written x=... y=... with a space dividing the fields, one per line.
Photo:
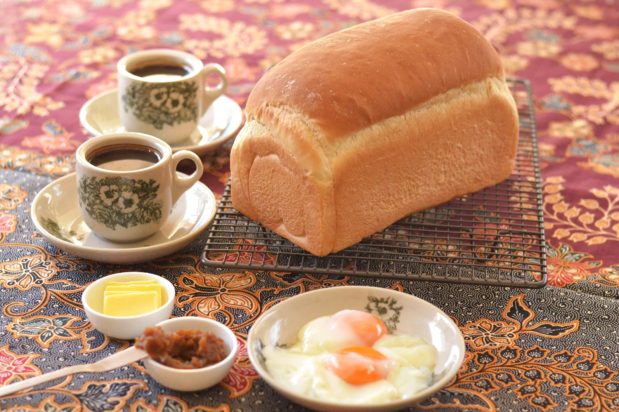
x=220 y=123
x=55 y=213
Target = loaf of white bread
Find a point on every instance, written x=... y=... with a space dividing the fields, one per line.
x=358 y=129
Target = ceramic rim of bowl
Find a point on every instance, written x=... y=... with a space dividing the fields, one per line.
x=166 y=284
x=220 y=327
x=324 y=404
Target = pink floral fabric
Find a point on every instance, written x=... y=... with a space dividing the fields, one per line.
x=57 y=54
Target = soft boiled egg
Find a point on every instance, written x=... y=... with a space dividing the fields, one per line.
x=349 y=357
x=344 y=329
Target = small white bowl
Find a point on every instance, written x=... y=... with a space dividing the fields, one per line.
x=125 y=327
x=403 y=313
x=187 y=380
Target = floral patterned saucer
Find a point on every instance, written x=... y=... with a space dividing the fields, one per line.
x=55 y=213
x=220 y=123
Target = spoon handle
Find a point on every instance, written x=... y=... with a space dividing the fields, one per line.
x=114 y=361
x=27 y=383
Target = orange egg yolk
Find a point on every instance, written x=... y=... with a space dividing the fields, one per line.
x=358 y=365
x=366 y=326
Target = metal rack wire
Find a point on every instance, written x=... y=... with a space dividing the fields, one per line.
x=493 y=237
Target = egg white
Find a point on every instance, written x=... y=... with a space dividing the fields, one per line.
x=323 y=334
x=302 y=367
x=307 y=374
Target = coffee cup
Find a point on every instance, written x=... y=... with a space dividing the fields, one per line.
x=165 y=92
x=127 y=184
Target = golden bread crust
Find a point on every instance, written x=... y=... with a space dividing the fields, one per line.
x=357 y=77
x=359 y=129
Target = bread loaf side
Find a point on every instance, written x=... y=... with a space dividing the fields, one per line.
x=360 y=128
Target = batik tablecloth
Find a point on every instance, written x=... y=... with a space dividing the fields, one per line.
x=555 y=348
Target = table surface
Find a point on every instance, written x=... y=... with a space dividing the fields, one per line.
x=554 y=348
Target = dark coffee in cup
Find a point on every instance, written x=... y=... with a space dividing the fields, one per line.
x=127 y=184
x=165 y=93
x=123 y=157
x=161 y=72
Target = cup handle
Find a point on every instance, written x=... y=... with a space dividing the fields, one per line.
x=182 y=182
x=212 y=93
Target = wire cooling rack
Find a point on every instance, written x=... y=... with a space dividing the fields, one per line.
x=493 y=237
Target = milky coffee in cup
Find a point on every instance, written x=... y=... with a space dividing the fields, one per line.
x=165 y=92
x=127 y=184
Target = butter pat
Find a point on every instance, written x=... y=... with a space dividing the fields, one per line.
x=129 y=303
x=131 y=298
x=135 y=288
x=132 y=282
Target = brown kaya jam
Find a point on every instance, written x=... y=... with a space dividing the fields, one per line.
x=183 y=349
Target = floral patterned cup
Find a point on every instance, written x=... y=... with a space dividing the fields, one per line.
x=127 y=184
x=165 y=92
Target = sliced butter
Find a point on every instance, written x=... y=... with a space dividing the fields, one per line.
x=136 y=288
x=133 y=282
x=133 y=287
x=124 y=292
x=130 y=303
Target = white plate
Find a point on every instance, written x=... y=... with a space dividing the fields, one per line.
x=220 y=123
x=403 y=313
x=55 y=213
